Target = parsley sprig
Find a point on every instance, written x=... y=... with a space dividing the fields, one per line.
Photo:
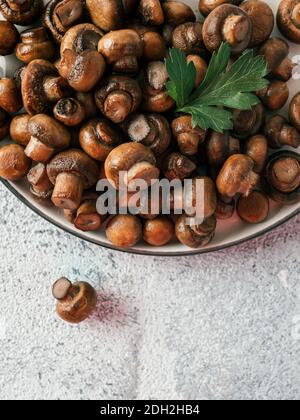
x=224 y=87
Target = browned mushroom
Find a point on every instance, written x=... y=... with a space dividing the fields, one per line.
x=18 y=74
x=121 y=49
x=75 y=302
x=151 y=12
x=280 y=133
x=152 y=130
x=237 y=176
x=159 y=231
x=124 y=230
x=188 y=138
x=274 y=96
x=41 y=87
x=87 y=218
x=9 y=37
x=79 y=38
x=21 y=12
x=294 y=111
x=4 y=124
x=193 y=234
x=256 y=147
x=87 y=100
x=14 y=164
x=19 y=131
x=225 y=208
x=262 y=18
x=207 y=6
x=227 y=23
x=188 y=38
x=71 y=172
x=61 y=15
x=178 y=166
x=275 y=51
x=34 y=45
x=254 y=208
x=219 y=146
x=248 y=122
x=98 y=137
x=47 y=137
x=69 y=111
x=131 y=162
x=109 y=15
x=117 y=97
x=177 y=13
x=10 y=98
x=200 y=66
x=40 y=185
x=288 y=19
x=154 y=45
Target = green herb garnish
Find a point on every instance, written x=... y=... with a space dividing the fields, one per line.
x=223 y=87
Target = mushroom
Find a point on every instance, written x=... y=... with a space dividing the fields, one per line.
x=262 y=18
x=188 y=138
x=9 y=37
x=151 y=12
x=200 y=66
x=122 y=49
x=47 y=137
x=248 y=122
x=19 y=131
x=18 y=74
x=117 y=97
x=124 y=230
x=225 y=208
x=274 y=96
x=10 y=98
x=282 y=177
x=237 y=176
x=193 y=234
x=87 y=218
x=69 y=111
x=207 y=6
x=294 y=111
x=280 y=133
x=61 y=15
x=71 y=172
x=178 y=166
x=154 y=45
x=110 y=15
x=40 y=185
x=98 y=137
x=4 y=124
x=41 y=87
x=75 y=302
x=275 y=51
x=188 y=38
x=79 y=38
x=288 y=19
x=130 y=162
x=34 y=45
x=158 y=231
x=167 y=33
x=219 y=147
x=14 y=164
x=87 y=100
x=254 y=208
x=227 y=23
x=152 y=130
x=256 y=147
x=82 y=70
x=177 y=13
x=21 y=12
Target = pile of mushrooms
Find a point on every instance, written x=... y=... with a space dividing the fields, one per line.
x=90 y=100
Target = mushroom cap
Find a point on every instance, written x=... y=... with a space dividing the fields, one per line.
x=25 y=15
x=74 y=161
x=257 y=148
x=177 y=13
x=158 y=231
x=183 y=124
x=19 y=131
x=248 y=122
x=207 y=6
x=34 y=45
x=195 y=235
x=219 y=146
x=109 y=15
x=151 y=12
x=10 y=98
x=79 y=38
x=4 y=123
x=275 y=50
x=287 y=24
x=14 y=164
x=118 y=44
x=262 y=18
x=188 y=37
x=9 y=37
x=294 y=111
x=279 y=132
x=49 y=131
x=124 y=230
x=254 y=208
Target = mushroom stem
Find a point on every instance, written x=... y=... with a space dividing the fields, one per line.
x=88 y=219
x=68 y=191
x=39 y=181
x=55 y=88
x=38 y=151
x=141 y=170
x=61 y=288
x=249 y=183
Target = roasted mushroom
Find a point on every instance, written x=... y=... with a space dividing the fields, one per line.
x=69 y=111
x=254 y=208
x=294 y=111
x=158 y=231
x=193 y=234
x=21 y=12
x=18 y=74
x=178 y=166
x=248 y=122
x=75 y=302
x=87 y=218
x=237 y=176
x=9 y=37
x=40 y=185
x=227 y=23
x=262 y=18
x=19 y=130
x=188 y=138
x=275 y=51
x=87 y=100
x=117 y=97
x=151 y=12
x=79 y=38
x=71 y=172
x=280 y=133
x=225 y=208
x=274 y=96
x=219 y=146
x=109 y=15
x=4 y=124
x=256 y=147
x=34 y=45
x=207 y=6
x=124 y=230
x=200 y=66
x=10 y=98
x=154 y=45
x=177 y=13
x=188 y=38
x=14 y=164
x=288 y=19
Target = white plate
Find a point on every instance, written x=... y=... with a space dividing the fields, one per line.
x=228 y=233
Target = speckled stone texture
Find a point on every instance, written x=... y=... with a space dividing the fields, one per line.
x=218 y=326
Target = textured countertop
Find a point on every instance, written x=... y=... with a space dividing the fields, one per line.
x=218 y=326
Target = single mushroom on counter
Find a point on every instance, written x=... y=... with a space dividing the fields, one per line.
x=282 y=177
x=188 y=38
x=275 y=52
x=40 y=185
x=237 y=176
x=294 y=111
x=69 y=111
x=178 y=166
x=262 y=18
x=158 y=231
x=71 y=172
x=177 y=13
x=124 y=230
x=219 y=147
x=256 y=147
x=9 y=37
x=4 y=124
x=207 y=6
x=188 y=138
x=275 y=95
x=227 y=23
x=61 y=15
x=34 y=45
x=19 y=130
x=248 y=122
x=81 y=37
x=14 y=164
x=98 y=137
x=193 y=234
x=254 y=208
x=288 y=19
x=225 y=207
x=280 y=133
x=75 y=302
x=151 y=12
x=10 y=98
x=117 y=97
x=21 y=12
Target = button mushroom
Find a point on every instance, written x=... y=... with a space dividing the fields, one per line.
x=117 y=97
x=188 y=138
x=9 y=37
x=133 y=161
x=248 y=122
x=254 y=208
x=34 y=45
x=19 y=131
x=195 y=235
x=151 y=12
x=87 y=218
x=219 y=146
x=294 y=111
x=87 y=100
x=177 y=13
x=124 y=230
x=225 y=208
x=10 y=98
x=79 y=38
x=178 y=166
x=4 y=124
x=256 y=147
x=71 y=172
x=280 y=133
x=227 y=23
x=288 y=19
x=188 y=38
x=159 y=231
x=154 y=45
x=14 y=164
x=69 y=111
x=21 y=12
x=262 y=18
x=200 y=66
x=275 y=51
x=75 y=302
x=98 y=137
x=237 y=176
x=207 y=6
x=274 y=96
x=40 y=185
